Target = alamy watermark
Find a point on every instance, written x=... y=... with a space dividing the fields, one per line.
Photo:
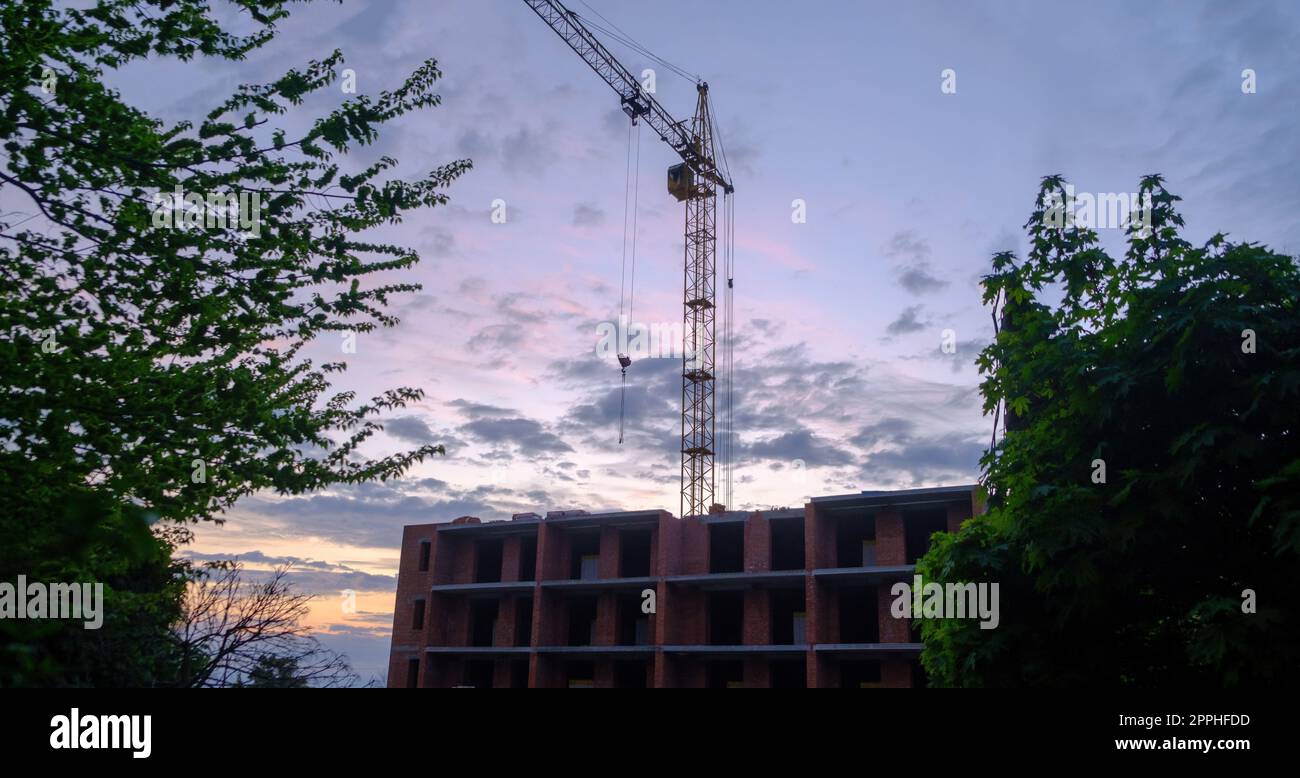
x=657 y=340
x=1098 y=210
x=38 y=600
x=183 y=210
x=921 y=600
x=133 y=733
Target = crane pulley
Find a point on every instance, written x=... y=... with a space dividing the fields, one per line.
x=697 y=182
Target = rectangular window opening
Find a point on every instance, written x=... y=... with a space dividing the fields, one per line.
x=855 y=541
x=727 y=547
x=859 y=615
x=528 y=558
x=417 y=614
x=488 y=555
x=726 y=614
x=634 y=550
x=585 y=557
x=789 y=618
x=787 y=544
x=483 y=622
x=582 y=621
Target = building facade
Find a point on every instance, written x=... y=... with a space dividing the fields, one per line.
x=782 y=598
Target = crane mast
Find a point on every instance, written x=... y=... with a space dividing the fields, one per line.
x=696 y=181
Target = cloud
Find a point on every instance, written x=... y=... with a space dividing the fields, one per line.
x=883 y=430
x=896 y=448
x=412 y=429
x=472 y=285
x=474 y=144
x=529 y=435
x=307 y=575
x=919 y=280
x=907 y=322
x=615 y=123
x=525 y=152
x=367 y=515
x=945 y=457
x=913 y=270
x=476 y=410
x=440 y=243
x=585 y=215
x=496 y=337
x=800 y=444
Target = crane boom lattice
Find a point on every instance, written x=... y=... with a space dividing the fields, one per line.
x=697 y=181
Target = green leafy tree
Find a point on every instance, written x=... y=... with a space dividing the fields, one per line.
x=1178 y=367
x=150 y=349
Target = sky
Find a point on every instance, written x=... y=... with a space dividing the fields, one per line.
x=908 y=189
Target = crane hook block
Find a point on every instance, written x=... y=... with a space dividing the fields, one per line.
x=625 y=361
x=635 y=106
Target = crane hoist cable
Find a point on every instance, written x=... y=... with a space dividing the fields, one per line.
x=627 y=282
x=728 y=344
x=617 y=34
x=727 y=373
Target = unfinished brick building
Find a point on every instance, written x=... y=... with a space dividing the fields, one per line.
x=785 y=598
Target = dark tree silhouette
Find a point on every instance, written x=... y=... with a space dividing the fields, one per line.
x=240 y=632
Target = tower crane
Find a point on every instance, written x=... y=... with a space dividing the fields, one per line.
x=697 y=181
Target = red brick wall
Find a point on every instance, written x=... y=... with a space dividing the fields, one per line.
x=550 y=556
x=610 y=551
x=758 y=617
x=668 y=551
x=510 y=551
x=891 y=542
x=823 y=672
x=504 y=635
x=686 y=616
x=892 y=630
x=758 y=543
x=606 y=619
x=412 y=583
x=818 y=539
x=695 y=547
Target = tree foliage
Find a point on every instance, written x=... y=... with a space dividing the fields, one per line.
x=150 y=373
x=1140 y=362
